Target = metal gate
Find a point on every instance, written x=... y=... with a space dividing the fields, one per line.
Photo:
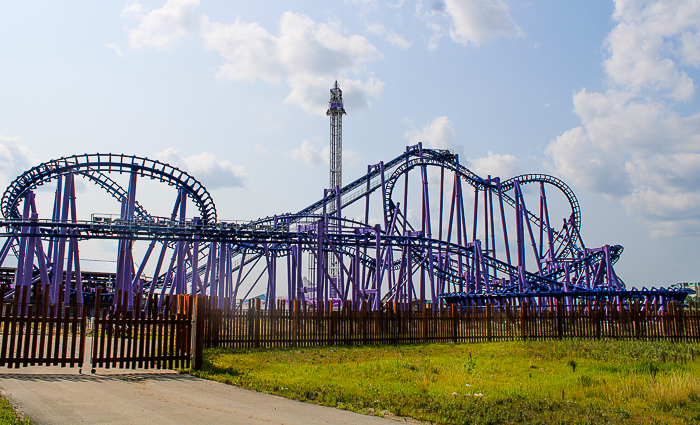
x=157 y=334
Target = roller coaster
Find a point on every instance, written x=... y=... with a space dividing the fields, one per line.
x=421 y=228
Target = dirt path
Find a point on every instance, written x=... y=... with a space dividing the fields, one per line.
x=54 y=395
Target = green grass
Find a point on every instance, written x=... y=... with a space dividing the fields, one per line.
x=8 y=415
x=553 y=382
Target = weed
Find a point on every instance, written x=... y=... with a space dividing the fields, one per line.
x=617 y=382
x=8 y=415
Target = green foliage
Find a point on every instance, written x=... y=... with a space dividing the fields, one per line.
x=8 y=415
x=616 y=382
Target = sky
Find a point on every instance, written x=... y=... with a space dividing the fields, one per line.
x=600 y=94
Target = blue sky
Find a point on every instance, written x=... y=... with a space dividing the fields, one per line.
x=601 y=94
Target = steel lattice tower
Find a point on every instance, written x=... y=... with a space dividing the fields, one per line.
x=336 y=112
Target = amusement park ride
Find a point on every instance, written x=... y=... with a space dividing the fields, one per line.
x=418 y=228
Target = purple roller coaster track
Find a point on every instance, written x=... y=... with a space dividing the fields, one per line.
x=419 y=228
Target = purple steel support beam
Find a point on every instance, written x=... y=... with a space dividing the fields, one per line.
x=213 y=287
x=550 y=235
x=56 y=215
x=486 y=218
x=23 y=241
x=6 y=248
x=229 y=277
x=196 y=283
x=73 y=246
x=320 y=259
x=493 y=230
x=272 y=283
x=405 y=196
x=442 y=198
x=69 y=272
x=168 y=280
x=379 y=267
x=61 y=243
x=138 y=274
x=452 y=209
x=503 y=222
x=156 y=273
x=292 y=275
x=207 y=270
x=222 y=274
x=538 y=259
x=519 y=229
x=235 y=295
x=476 y=213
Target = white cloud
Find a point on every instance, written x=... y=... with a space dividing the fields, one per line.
x=471 y=22
x=161 y=28
x=641 y=46
x=397 y=5
x=364 y=5
x=495 y=165
x=437 y=134
x=115 y=49
x=207 y=168
x=15 y=158
x=390 y=36
x=308 y=154
x=478 y=21
x=306 y=55
x=632 y=145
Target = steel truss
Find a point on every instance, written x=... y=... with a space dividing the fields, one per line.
x=444 y=235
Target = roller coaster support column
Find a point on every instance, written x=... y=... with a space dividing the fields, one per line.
x=196 y=284
x=23 y=276
x=520 y=211
x=223 y=253
x=320 y=259
x=427 y=232
x=73 y=253
x=125 y=263
x=59 y=249
x=271 y=296
x=181 y=273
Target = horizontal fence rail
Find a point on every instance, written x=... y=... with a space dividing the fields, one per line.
x=402 y=323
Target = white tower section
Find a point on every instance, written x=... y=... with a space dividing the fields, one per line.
x=336 y=112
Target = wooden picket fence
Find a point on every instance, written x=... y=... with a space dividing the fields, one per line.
x=159 y=335
x=168 y=333
x=154 y=335
x=403 y=324
x=41 y=334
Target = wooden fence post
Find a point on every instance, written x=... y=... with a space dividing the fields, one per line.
x=256 y=323
x=678 y=321
x=560 y=319
x=489 y=318
x=523 y=318
x=296 y=307
x=595 y=312
x=198 y=334
x=453 y=313
x=363 y=319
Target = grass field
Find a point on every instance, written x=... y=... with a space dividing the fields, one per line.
x=8 y=416
x=553 y=382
